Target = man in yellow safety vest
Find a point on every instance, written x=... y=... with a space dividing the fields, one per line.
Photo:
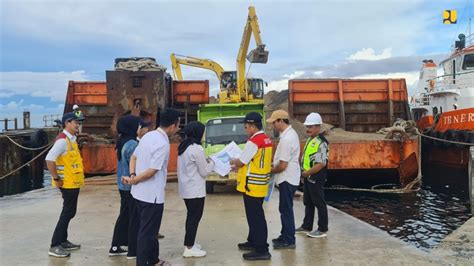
x=314 y=171
x=65 y=165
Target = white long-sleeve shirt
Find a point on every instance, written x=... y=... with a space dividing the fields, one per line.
x=192 y=171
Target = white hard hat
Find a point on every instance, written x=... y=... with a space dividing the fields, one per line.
x=74 y=107
x=313 y=119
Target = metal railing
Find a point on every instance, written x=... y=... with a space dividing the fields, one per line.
x=424 y=100
x=445 y=82
x=49 y=120
x=6 y=123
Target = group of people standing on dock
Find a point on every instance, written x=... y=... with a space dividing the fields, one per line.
x=143 y=157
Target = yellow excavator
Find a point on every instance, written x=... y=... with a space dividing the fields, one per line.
x=178 y=60
x=235 y=87
x=238 y=95
x=251 y=91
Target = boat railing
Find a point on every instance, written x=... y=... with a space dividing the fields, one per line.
x=49 y=120
x=421 y=100
x=446 y=82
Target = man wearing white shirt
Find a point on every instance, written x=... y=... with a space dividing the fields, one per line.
x=286 y=170
x=148 y=171
x=64 y=162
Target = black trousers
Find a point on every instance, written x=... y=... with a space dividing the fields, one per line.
x=195 y=209
x=70 y=196
x=150 y=215
x=314 y=198
x=120 y=237
x=133 y=227
x=258 y=231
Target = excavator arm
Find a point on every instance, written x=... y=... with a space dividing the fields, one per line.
x=178 y=60
x=258 y=55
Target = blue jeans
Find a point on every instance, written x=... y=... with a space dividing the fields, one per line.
x=287 y=192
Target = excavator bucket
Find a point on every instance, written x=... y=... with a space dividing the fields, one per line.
x=258 y=55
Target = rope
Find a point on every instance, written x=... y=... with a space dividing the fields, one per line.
x=445 y=140
x=23 y=147
x=34 y=158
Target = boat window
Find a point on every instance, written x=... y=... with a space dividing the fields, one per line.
x=468 y=61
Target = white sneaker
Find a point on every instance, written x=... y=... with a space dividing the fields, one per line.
x=193 y=252
x=197 y=245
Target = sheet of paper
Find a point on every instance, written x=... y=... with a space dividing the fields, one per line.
x=271 y=186
x=222 y=158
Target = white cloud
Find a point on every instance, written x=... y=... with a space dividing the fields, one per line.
x=369 y=54
x=12 y=105
x=318 y=73
x=282 y=84
x=294 y=75
x=38 y=84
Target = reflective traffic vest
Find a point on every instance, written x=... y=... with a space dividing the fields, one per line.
x=253 y=178
x=310 y=149
x=69 y=165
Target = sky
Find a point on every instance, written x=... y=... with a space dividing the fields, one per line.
x=44 y=44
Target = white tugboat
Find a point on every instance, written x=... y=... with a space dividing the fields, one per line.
x=444 y=106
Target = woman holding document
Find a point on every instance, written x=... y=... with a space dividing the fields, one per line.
x=193 y=167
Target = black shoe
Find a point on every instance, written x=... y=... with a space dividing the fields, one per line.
x=58 y=252
x=278 y=239
x=117 y=251
x=301 y=229
x=246 y=246
x=257 y=256
x=283 y=245
x=69 y=246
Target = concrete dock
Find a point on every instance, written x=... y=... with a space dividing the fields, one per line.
x=28 y=220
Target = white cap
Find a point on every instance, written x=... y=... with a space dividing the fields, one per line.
x=313 y=119
x=74 y=107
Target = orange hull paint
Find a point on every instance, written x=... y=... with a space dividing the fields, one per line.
x=100 y=158
x=458 y=120
x=376 y=154
x=424 y=122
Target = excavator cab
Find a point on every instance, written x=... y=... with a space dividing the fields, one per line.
x=256 y=87
x=228 y=80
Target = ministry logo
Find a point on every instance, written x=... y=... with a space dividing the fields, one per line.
x=450 y=17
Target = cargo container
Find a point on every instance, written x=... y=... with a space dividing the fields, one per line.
x=359 y=105
x=365 y=106
x=141 y=92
